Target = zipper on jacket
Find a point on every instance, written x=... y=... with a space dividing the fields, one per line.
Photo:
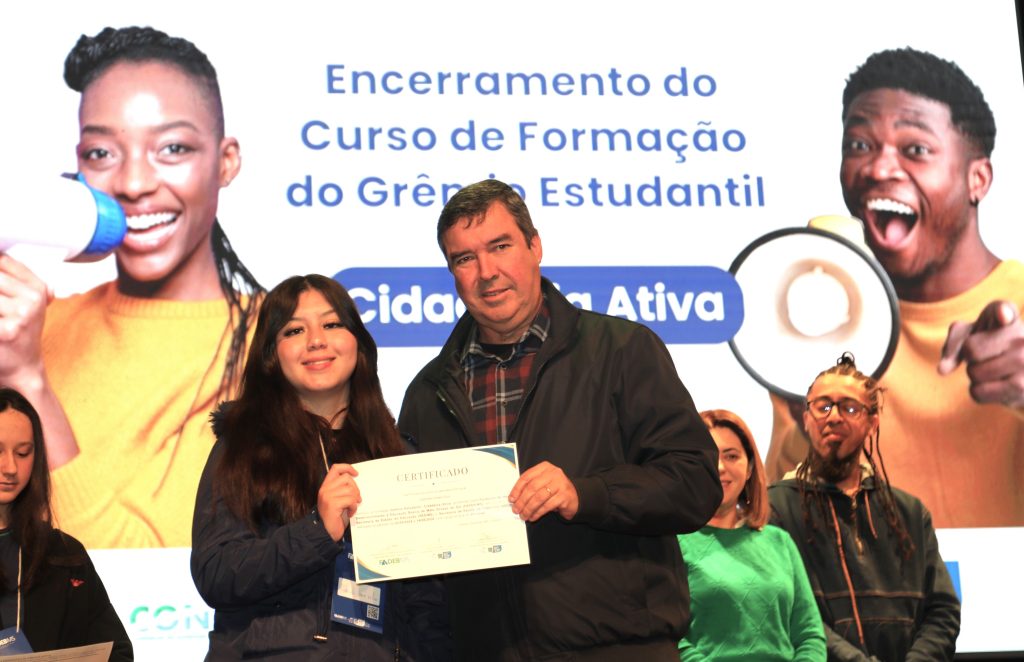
x=323 y=617
x=444 y=401
x=856 y=525
x=531 y=387
x=451 y=410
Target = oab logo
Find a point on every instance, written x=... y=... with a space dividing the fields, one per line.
x=418 y=306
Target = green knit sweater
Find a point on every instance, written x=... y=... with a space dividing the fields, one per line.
x=750 y=598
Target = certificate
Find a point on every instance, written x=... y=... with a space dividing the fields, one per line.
x=434 y=513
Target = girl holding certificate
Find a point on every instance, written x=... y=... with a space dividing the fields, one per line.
x=51 y=596
x=749 y=592
x=269 y=532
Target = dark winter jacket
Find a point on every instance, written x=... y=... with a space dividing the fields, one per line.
x=68 y=605
x=271 y=590
x=605 y=404
x=907 y=611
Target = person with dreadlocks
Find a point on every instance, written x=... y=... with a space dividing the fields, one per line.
x=869 y=548
x=124 y=376
x=915 y=167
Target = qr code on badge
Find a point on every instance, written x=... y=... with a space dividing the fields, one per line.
x=373 y=613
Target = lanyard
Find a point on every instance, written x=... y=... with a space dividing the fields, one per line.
x=17 y=622
x=323 y=452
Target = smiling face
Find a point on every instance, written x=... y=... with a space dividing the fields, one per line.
x=317 y=355
x=911 y=175
x=497 y=273
x=17 y=455
x=734 y=470
x=152 y=140
x=838 y=440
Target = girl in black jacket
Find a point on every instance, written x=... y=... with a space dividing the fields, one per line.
x=277 y=493
x=51 y=595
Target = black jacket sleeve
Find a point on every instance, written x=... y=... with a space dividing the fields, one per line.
x=233 y=566
x=669 y=483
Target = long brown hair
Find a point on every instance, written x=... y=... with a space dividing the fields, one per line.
x=30 y=514
x=272 y=459
x=754 y=497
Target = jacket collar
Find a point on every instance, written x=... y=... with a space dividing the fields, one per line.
x=867 y=479
x=564 y=316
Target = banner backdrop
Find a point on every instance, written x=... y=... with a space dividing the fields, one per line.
x=651 y=142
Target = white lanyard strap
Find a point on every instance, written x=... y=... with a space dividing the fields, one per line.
x=17 y=621
x=323 y=452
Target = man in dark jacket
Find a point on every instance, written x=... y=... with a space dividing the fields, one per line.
x=617 y=459
x=869 y=549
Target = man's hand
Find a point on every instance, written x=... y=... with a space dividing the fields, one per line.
x=23 y=301
x=338 y=499
x=993 y=349
x=541 y=489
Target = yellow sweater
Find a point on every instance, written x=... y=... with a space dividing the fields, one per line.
x=137 y=379
x=965 y=461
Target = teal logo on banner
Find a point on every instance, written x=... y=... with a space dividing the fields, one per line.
x=418 y=306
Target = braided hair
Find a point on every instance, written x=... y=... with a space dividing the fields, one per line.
x=87 y=61
x=815 y=498
x=243 y=294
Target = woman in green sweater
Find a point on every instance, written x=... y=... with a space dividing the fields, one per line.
x=749 y=592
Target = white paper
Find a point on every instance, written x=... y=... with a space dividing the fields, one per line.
x=434 y=513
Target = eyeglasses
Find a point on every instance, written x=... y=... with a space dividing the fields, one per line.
x=849 y=409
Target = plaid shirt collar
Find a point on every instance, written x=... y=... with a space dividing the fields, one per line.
x=530 y=341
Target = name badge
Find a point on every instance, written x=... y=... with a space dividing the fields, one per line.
x=13 y=642
x=357 y=605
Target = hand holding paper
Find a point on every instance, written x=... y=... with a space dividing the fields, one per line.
x=541 y=489
x=338 y=499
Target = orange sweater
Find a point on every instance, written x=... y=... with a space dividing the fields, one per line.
x=965 y=461
x=137 y=379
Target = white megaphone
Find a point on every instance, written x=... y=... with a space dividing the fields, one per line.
x=86 y=223
x=810 y=294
